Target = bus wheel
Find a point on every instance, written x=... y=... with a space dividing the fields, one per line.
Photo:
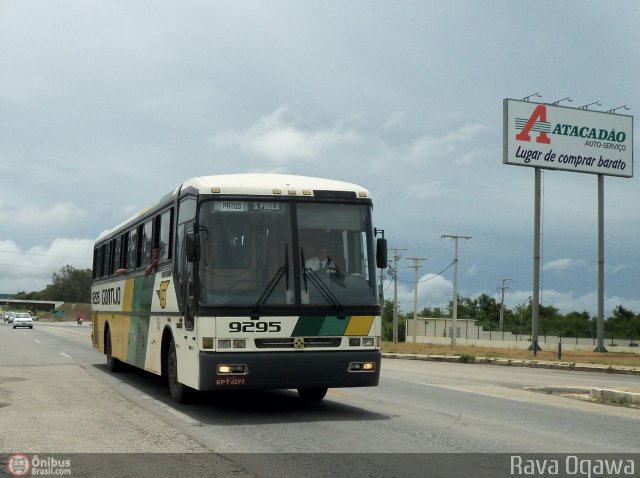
x=113 y=364
x=312 y=394
x=180 y=393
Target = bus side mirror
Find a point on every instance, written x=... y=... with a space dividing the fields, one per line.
x=381 y=253
x=190 y=246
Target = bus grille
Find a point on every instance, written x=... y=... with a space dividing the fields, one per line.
x=287 y=343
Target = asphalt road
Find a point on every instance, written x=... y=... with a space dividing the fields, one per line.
x=56 y=396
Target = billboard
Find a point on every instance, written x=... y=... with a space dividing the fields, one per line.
x=568 y=139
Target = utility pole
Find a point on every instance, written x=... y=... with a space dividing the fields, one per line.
x=396 y=258
x=415 y=268
x=454 y=313
x=504 y=279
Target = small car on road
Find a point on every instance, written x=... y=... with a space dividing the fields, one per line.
x=8 y=316
x=23 y=319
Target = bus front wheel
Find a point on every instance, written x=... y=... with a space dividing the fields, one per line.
x=312 y=394
x=180 y=393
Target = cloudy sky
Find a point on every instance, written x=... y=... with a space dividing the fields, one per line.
x=107 y=105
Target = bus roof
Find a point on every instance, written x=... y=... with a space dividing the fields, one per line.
x=256 y=184
x=265 y=184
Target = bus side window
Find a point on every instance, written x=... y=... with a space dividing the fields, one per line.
x=106 y=249
x=145 y=241
x=132 y=255
x=163 y=239
x=117 y=254
x=97 y=262
x=125 y=251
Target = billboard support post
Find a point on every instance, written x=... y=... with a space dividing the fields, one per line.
x=600 y=347
x=535 y=304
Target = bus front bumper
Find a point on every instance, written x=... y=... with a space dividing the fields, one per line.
x=281 y=370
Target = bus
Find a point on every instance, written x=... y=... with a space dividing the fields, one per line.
x=232 y=300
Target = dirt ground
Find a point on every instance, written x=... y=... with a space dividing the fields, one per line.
x=608 y=358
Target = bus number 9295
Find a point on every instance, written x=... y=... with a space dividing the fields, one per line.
x=255 y=327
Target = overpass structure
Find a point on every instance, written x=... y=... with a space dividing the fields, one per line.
x=31 y=305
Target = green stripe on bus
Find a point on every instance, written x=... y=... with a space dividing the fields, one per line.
x=320 y=326
x=139 y=326
x=138 y=334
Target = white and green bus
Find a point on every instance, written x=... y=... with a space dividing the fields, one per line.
x=235 y=300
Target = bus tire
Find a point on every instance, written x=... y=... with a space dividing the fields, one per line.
x=312 y=394
x=180 y=393
x=113 y=364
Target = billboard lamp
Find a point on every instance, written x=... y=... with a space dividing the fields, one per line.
x=563 y=99
x=537 y=95
x=613 y=110
x=586 y=107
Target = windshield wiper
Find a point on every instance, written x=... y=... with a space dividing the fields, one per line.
x=283 y=270
x=325 y=292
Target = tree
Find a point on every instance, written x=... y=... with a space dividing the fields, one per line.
x=387 y=320
x=68 y=285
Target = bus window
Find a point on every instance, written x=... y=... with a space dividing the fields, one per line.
x=133 y=250
x=165 y=235
x=97 y=262
x=106 y=249
x=117 y=255
x=125 y=250
x=242 y=250
x=145 y=241
x=341 y=231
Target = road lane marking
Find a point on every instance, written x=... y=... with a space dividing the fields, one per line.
x=37 y=341
x=484 y=394
x=62 y=353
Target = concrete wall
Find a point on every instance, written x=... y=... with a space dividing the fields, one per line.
x=438 y=331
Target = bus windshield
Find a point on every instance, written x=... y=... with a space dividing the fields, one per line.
x=252 y=254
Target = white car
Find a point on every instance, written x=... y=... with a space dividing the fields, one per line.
x=8 y=316
x=23 y=319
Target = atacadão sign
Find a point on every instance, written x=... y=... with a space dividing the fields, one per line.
x=568 y=139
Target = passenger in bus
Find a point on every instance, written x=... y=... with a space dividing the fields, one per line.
x=155 y=257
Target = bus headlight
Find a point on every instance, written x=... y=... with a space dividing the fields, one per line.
x=232 y=369
x=362 y=367
x=368 y=341
x=224 y=344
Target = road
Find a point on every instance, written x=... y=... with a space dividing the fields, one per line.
x=56 y=396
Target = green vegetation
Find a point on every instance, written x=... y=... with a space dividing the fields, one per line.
x=621 y=324
x=470 y=354
x=68 y=285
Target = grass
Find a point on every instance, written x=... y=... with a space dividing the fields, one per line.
x=586 y=357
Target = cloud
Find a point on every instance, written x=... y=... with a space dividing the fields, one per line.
x=30 y=215
x=472 y=271
x=393 y=121
x=278 y=138
x=31 y=269
x=567 y=302
x=433 y=291
x=428 y=145
x=565 y=264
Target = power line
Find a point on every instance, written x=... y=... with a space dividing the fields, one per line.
x=429 y=278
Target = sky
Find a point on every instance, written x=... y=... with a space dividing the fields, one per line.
x=105 y=106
